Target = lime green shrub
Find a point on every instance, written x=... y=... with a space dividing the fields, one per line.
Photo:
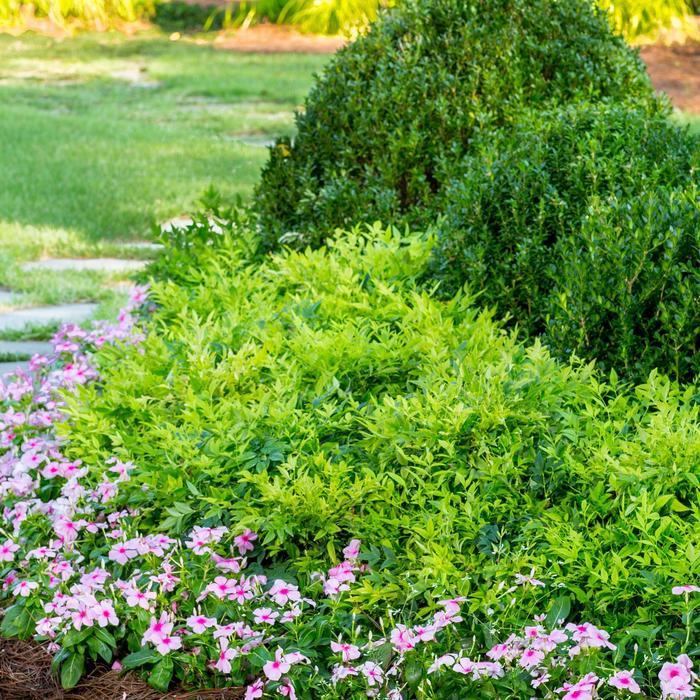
x=583 y=225
x=331 y=16
x=396 y=110
x=90 y=12
x=642 y=19
x=321 y=395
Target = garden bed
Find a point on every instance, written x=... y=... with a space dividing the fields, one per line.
x=25 y=674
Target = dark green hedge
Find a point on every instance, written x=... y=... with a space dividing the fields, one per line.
x=396 y=110
x=583 y=224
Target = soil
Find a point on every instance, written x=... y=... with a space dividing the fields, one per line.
x=675 y=70
x=274 y=38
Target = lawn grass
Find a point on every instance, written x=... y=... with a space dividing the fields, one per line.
x=102 y=136
x=693 y=121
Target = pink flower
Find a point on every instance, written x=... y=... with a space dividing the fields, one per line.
x=165 y=643
x=276 y=668
x=676 y=679
x=464 y=666
x=440 y=661
x=352 y=551
x=265 y=616
x=687 y=588
x=402 y=639
x=349 y=652
x=104 y=613
x=231 y=564
x=373 y=673
x=199 y=623
x=67 y=530
x=521 y=580
x=221 y=587
x=254 y=691
x=226 y=655
x=24 y=588
x=282 y=592
x=341 y=672
x=158 y=628
x=136 y=598
x=530 y=658
x=7 y=550
x=122 y=552
x=244 y=541
x=200 y=537
x=623 y=680
x=287 y=690
x=82 y=617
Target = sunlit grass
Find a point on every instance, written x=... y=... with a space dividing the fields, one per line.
x=104 y=136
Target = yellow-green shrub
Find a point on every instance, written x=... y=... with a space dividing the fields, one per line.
x=321 y=395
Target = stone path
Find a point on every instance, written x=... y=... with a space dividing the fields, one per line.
x=6 y=297
x=25 y=348
x=15 y=355
x=96 y=264
x=12 y=367
x=44 y=315
x=21 y=351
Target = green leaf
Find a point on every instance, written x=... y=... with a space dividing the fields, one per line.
x=559 y=610
x=72 y=670
x=75 y=637
x=99 y=648
x=162 y=674
x=413 y=671
x=107 y=637
x=140 y=657
x=60 y=657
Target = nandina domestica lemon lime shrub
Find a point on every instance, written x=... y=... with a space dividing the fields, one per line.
x=276 y=409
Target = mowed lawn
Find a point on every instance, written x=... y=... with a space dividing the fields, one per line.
x=101 y=136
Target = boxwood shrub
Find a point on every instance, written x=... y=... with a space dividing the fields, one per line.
x=394 y=112
x=583 y=225
x=324 y=395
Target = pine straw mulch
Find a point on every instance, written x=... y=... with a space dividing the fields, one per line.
x=25 y=674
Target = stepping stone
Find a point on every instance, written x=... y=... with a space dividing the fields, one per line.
x=25 y=348
x=6 y=297
x=7 y=367
x=142 y=245
x=258 y=141
x=44 y=315
x=179 y=222
x=183 y=222
x=95 y=264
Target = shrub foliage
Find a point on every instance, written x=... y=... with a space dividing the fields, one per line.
x=583 y=225
x=395 y=110
x=321 y=395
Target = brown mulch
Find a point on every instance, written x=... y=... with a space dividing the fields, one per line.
x=25 y=674
x=675 y=70
x=275 y=38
